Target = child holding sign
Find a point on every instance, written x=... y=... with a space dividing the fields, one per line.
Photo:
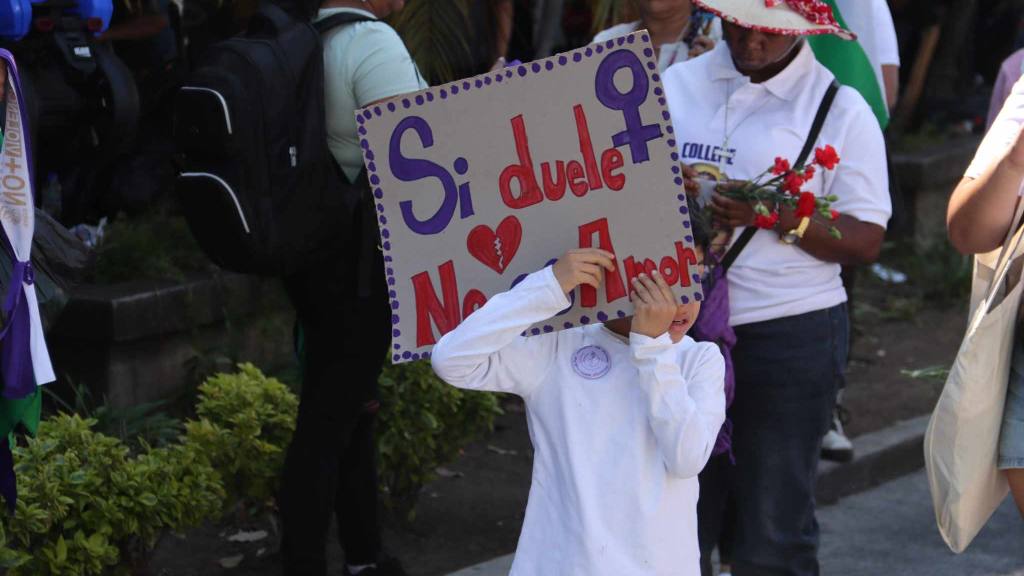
x=622 y=415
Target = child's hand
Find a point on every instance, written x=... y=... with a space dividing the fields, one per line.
x=654 y=305
x=582 y=266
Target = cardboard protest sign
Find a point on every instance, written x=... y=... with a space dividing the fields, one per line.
x=483 y=181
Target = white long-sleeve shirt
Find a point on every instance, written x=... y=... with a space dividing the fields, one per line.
x=620 y=431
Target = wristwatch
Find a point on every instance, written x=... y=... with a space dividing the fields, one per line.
x=796 y=234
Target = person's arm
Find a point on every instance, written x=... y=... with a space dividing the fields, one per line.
x=887 y=50
x=685 y=414
x=891 y=76
x=488 y=352
x=149 y=21
x=860 y=244
x=981 y=209
x=138 y=28
x=982 y=206
x=504 y=16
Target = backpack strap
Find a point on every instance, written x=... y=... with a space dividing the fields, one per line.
x=812 y=137
x=334 y=20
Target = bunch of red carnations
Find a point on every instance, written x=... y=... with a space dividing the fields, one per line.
x=782 y=185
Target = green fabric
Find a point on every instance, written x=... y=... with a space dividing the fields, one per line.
x=25 y=411
x=849 y=63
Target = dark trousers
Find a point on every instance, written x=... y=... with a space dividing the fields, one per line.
x=787 y=374
x=331 y=463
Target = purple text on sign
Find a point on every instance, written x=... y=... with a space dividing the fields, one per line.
x=636 y=134
x=412 y=169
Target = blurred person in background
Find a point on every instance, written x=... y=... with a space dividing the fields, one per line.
x=331 y=468
x=872 y=22
x=678 y=30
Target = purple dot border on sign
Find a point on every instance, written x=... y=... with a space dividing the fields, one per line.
x=451 y=91
x=670 y=141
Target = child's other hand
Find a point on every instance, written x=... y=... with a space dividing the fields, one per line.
x=654 y=305
x=582 y=266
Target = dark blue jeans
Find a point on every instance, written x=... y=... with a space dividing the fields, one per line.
x=787 y=374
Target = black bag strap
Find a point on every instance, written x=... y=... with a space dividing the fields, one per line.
x=366 y=253
x=334 y=20
x=819 y=121
x=812 y=137
x=270 y=18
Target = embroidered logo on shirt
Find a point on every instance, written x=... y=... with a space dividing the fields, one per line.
x=591 y=362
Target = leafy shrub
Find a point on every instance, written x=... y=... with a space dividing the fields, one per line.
x=424 y=423
x=86 y=505
x=153 y=246
x=137 y=426
x=246 y=421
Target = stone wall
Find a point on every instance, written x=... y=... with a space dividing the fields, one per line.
x=145 y=341
x=926 y=178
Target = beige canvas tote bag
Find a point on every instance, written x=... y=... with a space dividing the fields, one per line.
x=961 y=443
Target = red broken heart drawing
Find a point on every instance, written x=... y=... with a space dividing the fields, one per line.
x=496 y=250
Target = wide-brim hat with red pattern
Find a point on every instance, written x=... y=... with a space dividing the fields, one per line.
x=787 y=17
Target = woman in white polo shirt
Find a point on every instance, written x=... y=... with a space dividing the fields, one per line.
x=752 y=99
x=980 y=213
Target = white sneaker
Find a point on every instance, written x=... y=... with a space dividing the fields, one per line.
x=835 y=445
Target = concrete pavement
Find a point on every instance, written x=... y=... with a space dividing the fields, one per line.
x=890 y=530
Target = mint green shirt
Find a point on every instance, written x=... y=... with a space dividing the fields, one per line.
x=363 y=62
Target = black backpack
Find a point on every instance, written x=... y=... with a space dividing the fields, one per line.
x=258 y=185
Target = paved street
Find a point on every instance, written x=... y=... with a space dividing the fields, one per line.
x=891 y=531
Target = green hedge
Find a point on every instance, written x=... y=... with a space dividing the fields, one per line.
x=246 y=421
x=424 y=423
x=89 y=505
x=85 y=504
